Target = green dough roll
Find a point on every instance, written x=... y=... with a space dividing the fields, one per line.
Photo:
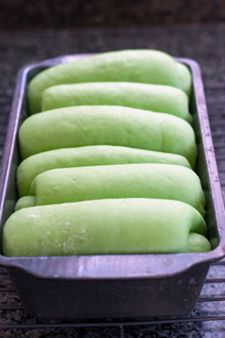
x=119 y=226
x=145 y=66
x=185 y=78
x=87 y=156
x=164 y=181
x=106 y=125
x=157 y=98
x=25 y=202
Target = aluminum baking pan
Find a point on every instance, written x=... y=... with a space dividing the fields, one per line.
x=113 y=286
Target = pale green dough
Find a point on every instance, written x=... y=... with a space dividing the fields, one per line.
x=141 y=65
x=25 y=202
x=185 y=78
x=165 y=181
x=157 y=98
x=87 y=156
x=106 y=125
x=119 y=226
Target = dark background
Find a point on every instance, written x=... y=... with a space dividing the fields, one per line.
x=23 y=14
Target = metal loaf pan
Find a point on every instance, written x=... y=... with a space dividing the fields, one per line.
x=113 y=286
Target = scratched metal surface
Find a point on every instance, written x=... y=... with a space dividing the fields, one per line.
x=206 y=44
